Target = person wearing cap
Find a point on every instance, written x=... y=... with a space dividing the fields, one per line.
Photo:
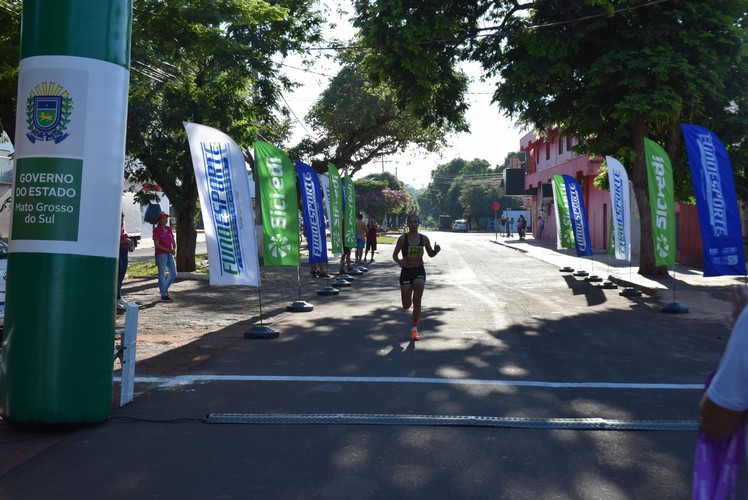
x=165 y=245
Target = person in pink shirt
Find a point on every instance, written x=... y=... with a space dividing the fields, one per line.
x=165 y=245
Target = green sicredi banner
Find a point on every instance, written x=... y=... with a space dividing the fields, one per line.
x=661 y=202
x=280 y=206
x=350 y=212
x=564 y=229
x=336 y=209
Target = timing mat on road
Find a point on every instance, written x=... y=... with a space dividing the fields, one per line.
x=589 y=424
x=193 y=379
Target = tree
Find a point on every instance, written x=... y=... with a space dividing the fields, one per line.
x=608 y=72
x=211 y=63
x=448 y=181
x=402 y=37
x=442 y=178
x=426 y=210
x=10 y=48
x=382 y=194
x=208 y=62
x=387 y=201
x=388 y=178
x=358 y=121
x=476 y=198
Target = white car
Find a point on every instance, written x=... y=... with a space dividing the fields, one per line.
x=3 y=275
x=460 y=225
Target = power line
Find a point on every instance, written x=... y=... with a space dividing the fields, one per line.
x=307 y=70
x=299 y=121
x=498 y=28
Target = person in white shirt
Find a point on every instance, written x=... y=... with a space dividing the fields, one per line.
x=724 y=405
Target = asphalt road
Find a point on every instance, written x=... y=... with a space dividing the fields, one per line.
x=509 y=346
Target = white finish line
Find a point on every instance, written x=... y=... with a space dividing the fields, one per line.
x=191 y=379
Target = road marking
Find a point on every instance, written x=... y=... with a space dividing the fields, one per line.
x=191 y=379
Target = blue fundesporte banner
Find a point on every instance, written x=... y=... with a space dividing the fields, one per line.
x=716 y=202
x=578 y=216
x=314 y=218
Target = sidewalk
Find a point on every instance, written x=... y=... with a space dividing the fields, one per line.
x=705 y=298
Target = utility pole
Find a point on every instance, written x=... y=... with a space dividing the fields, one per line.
x=383 y=162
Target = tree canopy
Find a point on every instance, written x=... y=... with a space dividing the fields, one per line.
x=358 y=121
x=382 y=194
x=608 y=72
x=211 y=63
x=466 y=189
x=10 y=48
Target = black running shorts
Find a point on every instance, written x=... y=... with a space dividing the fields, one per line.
x=408 y=274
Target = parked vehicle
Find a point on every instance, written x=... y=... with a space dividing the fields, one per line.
x=445 y=222
x=133 y=217
x=460 y=225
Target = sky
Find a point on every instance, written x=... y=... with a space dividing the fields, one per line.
x=491 y=137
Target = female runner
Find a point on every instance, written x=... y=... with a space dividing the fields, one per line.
x=412 y=274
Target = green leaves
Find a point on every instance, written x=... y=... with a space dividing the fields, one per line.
x=360 y=121
x=10 y=40
x=210 y=62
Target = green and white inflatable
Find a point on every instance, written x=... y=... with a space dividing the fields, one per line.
x=70 y=147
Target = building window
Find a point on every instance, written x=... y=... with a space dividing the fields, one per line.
x=560 y=145
x=547 y=150
x=568 y=143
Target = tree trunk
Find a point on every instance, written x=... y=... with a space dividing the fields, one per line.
x=186 y=233
x=647 y=265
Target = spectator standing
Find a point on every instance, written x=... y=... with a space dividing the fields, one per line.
x=360 y=237
x=540 y=226
x=165 y=247
x=125 y=245
x=345 y=258
x=319 y=270
x=521 y=226
x=371 y=239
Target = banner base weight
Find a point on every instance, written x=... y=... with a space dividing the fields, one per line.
x=261 y=332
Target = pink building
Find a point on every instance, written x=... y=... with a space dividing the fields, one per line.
x=551 y=154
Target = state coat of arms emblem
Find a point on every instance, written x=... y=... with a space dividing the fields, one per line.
x=48 y=110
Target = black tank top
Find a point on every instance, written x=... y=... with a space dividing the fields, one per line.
x=413 y=250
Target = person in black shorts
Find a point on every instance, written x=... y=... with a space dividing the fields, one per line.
x=371 y=239
x=412 y=245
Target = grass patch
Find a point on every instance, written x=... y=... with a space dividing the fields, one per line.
x=149 y=269
x=387 y=239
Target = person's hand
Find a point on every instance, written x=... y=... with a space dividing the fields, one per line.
x=437 y=248
x=739 y=295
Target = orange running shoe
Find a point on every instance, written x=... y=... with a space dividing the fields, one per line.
x=414 y=335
